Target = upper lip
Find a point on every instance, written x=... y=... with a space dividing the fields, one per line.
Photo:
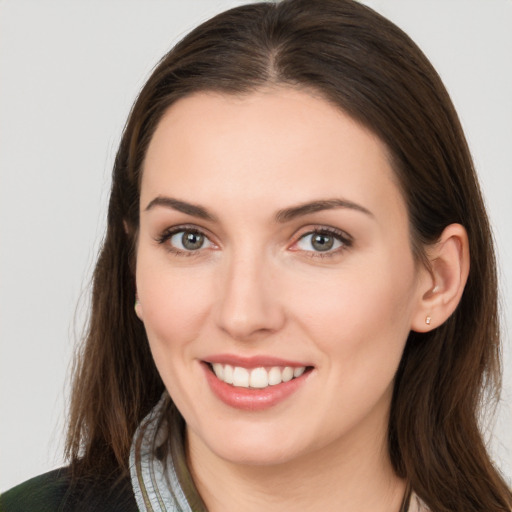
x=256 y=361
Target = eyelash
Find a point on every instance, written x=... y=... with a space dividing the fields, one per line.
x=344 y=238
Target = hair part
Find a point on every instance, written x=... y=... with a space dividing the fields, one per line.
x=367 y=67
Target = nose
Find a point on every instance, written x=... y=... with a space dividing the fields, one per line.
x=248 y=302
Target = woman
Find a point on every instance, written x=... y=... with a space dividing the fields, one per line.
x=285 y=292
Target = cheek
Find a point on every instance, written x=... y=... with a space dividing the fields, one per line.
x=361 y=314
x=174 y=302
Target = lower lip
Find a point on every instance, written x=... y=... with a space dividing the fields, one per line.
x=252 y=399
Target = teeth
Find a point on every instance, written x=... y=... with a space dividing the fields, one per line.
x=219 y=370
x=240 y=377
x=287 y=373
x=297 y=372
x=228 y=374
x=274 y=376
x=257 y=377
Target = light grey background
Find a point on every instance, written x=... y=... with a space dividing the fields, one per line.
x=69 y=72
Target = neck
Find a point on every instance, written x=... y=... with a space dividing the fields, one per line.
x=350 y=475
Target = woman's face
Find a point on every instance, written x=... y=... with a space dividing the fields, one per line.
x=274 y=243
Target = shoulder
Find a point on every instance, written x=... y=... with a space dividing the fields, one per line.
x=44 y=492
x=53 y=491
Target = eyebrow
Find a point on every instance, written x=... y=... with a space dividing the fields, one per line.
x=282 y=216
x=293 y=212
x=182 y=206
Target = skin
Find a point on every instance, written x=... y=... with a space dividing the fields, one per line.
x=258 y=287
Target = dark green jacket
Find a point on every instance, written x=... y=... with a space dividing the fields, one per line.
x=52 y=492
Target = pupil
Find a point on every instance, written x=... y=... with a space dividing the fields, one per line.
x=192 y=241
x=322 y=242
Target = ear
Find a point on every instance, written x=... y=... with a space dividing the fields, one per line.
x=138 y=308
x=441 y=287
x=126 y=227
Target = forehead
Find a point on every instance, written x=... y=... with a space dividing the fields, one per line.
x=277 y=146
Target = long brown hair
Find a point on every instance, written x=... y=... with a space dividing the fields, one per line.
x=366 y=66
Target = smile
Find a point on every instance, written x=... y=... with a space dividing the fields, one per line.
x=258 y=378
x=255 y=383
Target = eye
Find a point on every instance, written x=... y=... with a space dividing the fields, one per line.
x=183 y=241
x=327 y=241
x=188 y=240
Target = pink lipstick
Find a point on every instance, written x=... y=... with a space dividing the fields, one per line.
x=255 y=383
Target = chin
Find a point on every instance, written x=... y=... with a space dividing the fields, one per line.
x=256 y=456
x=254 y=446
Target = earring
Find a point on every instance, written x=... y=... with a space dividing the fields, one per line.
x=428 y=320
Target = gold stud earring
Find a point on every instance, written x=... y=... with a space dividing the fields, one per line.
x=428 y=320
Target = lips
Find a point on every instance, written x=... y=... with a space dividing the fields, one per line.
x=255 y=383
